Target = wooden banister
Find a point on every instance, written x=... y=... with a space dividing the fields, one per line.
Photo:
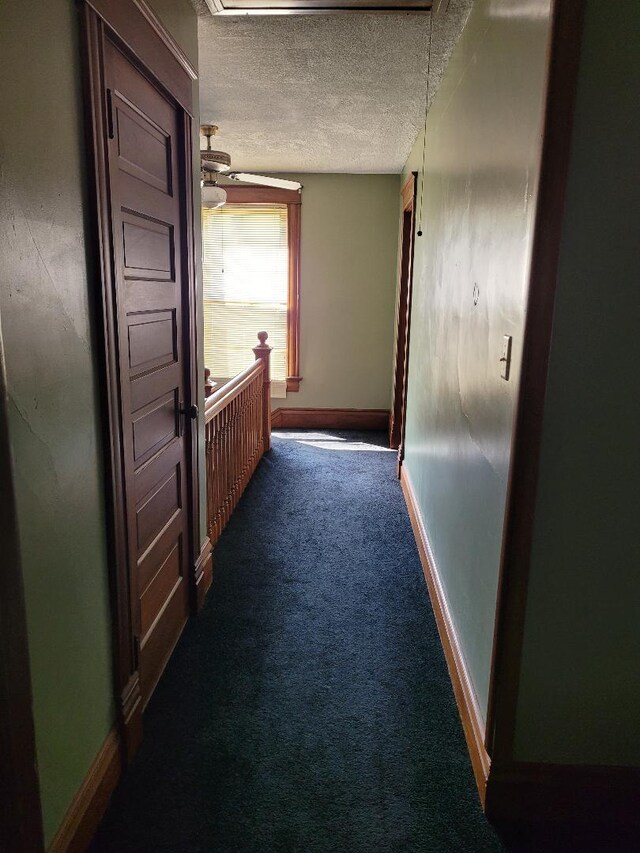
x=237 y=433
x=223 y=395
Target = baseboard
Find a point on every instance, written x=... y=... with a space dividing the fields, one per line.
x=358 y=419
x=90 y=803
x=468 y=707
x=203 y=572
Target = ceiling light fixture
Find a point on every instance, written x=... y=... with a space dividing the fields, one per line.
x=212 y=195
x=214 y=162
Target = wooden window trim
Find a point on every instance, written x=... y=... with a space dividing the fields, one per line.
x=293 y=200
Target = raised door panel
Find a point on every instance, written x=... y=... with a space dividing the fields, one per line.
x=148 y=248
x=144 y=149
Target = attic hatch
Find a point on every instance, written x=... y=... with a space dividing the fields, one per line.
x=311 y=7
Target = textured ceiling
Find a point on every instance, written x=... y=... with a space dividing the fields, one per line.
x=321 y=93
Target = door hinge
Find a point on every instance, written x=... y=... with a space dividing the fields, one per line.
x=110 y=131
x=136 y=651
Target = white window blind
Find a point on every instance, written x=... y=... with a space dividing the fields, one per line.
x=245 y=279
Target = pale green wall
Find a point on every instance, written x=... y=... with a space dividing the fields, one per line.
x=48 y=290
x=482 y=159
x=55 y=430
x=580 y=686
x=347 y=290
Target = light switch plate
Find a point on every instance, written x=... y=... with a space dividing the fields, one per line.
x=505 y=361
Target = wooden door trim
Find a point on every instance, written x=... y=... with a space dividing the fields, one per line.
x=20 y=810
x=200 y=552
x=123 y=23
x=561 y=85
x=150 y=45
x=399 y=402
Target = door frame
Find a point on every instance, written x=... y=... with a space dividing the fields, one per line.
x=140 y=35
x=397 y=420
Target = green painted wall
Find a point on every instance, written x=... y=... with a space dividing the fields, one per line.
x=347 y=290
x=579 y=687
x=47 y=295
x=45 y=301
x=470 y=278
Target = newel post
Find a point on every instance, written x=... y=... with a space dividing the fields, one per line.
x=208 y=384
x=263 y=351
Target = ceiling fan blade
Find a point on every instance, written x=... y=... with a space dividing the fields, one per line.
x=263 y=180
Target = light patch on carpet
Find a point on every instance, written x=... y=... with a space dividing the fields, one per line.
x=324 y=442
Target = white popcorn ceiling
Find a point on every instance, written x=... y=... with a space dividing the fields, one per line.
x=321 y=93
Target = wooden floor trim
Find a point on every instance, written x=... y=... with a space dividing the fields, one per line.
x=472 y=722
x=364 y=419
x=90 y=803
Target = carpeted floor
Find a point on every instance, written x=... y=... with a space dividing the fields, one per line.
x=308 y=708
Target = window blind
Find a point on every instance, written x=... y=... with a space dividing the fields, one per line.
x=245 y=282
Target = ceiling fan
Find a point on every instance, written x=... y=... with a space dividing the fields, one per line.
x=215 y=163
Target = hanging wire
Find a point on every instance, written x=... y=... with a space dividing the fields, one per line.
x=426 y=110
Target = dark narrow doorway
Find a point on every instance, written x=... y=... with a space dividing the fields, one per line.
x=403 y=318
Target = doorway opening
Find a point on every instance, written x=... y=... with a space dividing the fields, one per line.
x=403 y=320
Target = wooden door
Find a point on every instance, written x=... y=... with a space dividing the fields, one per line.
x=147 y=225
x=401 y=363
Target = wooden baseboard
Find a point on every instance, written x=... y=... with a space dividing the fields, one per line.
x=358 y=419
x=468 y=707
x=521 y=791
x=90 y=803
x=203 y=572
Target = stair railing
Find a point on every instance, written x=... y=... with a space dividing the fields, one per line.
x=237 y=434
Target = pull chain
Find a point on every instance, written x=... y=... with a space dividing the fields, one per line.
x=426 y=110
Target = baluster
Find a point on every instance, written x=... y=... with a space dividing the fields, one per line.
x=234 y=454
x=236 y=436
x=219 y=469
x=225 y=463
x=207 y=456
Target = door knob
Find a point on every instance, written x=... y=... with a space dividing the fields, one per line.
x=192 y=411
x=183 y=411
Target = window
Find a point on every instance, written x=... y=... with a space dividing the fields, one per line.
x=251 y=282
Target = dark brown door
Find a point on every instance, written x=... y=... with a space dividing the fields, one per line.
x=147 y=218
x=401 y=365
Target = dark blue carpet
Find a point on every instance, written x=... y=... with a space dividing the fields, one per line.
x=308 y=707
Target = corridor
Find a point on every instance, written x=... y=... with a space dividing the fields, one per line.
x=308 y=707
